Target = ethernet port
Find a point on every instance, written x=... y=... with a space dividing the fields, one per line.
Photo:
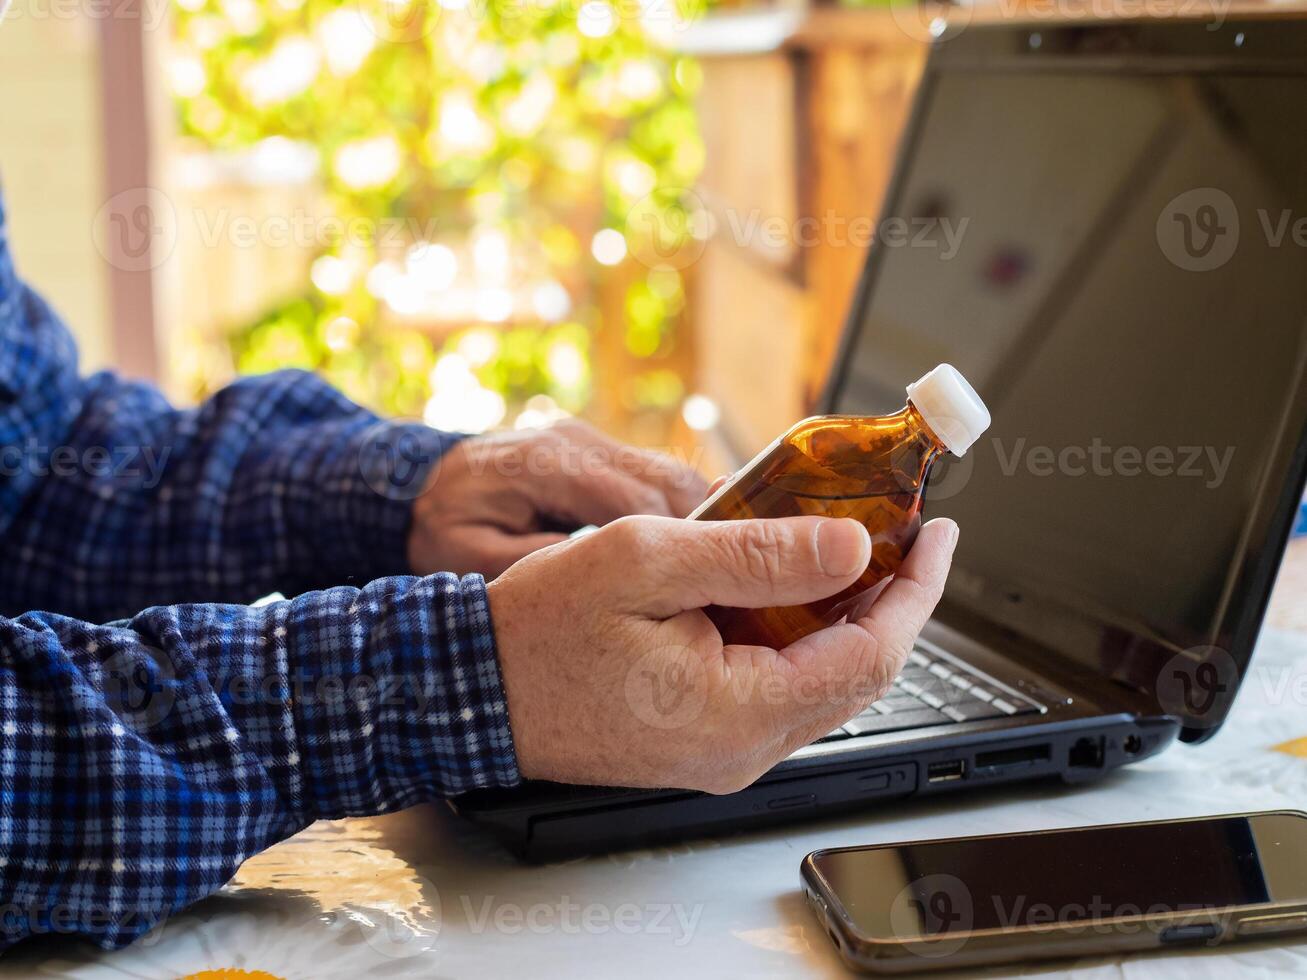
x=1087 y=753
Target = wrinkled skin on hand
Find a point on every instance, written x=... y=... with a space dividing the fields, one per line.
x=615 y=676
x=494 y=499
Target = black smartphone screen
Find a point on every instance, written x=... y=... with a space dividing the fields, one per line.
x=1081 y=875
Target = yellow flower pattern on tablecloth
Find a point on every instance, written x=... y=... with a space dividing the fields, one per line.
x=1295 y=746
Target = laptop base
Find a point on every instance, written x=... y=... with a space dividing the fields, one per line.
x=547 y=822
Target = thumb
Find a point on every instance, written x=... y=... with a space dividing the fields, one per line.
x=871 y=651
x=751 y=563
x=838 y=671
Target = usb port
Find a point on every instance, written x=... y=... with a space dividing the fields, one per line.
x=945 y=772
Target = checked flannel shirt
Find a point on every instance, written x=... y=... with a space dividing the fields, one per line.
x=155 y=731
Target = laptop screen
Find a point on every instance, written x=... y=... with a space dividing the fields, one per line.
x=1114 y=252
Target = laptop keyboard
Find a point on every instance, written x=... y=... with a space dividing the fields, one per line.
x=933 y=690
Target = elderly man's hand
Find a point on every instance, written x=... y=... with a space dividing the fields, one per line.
x=615 y=676
x=491 y=500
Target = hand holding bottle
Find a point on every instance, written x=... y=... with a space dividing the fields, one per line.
x=615 y=675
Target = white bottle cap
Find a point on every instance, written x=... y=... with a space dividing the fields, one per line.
x=950 y=407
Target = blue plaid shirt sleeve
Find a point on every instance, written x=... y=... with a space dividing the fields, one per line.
x=112 y=500
x=142 y=760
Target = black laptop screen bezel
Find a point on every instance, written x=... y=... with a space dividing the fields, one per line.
x=1257 y=45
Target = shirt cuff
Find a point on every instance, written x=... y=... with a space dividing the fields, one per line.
x=466 y=704
x=412 y=710
x=366 y=507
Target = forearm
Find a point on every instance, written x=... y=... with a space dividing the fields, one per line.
x=277 y=483
x=146 y=759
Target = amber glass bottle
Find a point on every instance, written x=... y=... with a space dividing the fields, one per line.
x=873 y=469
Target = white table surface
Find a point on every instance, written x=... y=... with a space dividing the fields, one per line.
x=422 y=894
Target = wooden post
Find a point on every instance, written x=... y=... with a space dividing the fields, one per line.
x=134 y=220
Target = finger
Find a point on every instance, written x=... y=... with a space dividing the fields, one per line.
x=836 y=672
x=815 y=684
x=573 y=482
x=680 y=485
x=907 y=602
x=901 y=612
x=598 y=494
x=684 y=487
x=717 y=484
x=680 y=565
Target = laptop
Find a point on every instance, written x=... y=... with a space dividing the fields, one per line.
x=1125 y=281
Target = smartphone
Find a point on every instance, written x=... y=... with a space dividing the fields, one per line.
x=937 y=904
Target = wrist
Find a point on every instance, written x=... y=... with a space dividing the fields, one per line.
x=515 y=664
x=421 y=539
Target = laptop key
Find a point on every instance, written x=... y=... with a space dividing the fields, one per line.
x=949 y=694
x=837 y=734
x=887 y=707
x=934 y=686
x=915 y=685
x=932 y=699
x=894 y=708
x=971 y=711
x=897 y=696
x=898 y=721
x=911 y=687
x=922 y=678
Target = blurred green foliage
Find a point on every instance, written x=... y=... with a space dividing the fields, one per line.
x=534 y=123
